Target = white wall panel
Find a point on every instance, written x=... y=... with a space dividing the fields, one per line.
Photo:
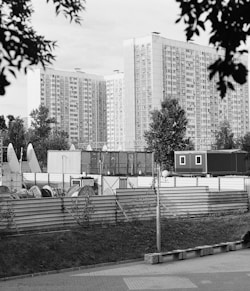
x=67 y=162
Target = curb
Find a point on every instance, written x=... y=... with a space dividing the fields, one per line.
x=200 y=251
x=70 y=269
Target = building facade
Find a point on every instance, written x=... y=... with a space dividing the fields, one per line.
x=75 y=99
x=115 y=111
x=156 y=68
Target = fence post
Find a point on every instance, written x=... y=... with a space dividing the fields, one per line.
x=21 y=180
x=247 y=188
x=102 y=184
x=197 y=181
x=219 y=184
x=116 y=206
x=174 y=181
x=63 y=181
x=35 y=178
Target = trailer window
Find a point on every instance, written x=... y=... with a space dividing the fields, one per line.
x=182 y=160
x=198 y=160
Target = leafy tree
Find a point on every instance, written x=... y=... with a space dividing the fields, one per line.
x=43 y=137
x=55 y=141
x=15 y=134
x=229 y=26
x=224 y=138
x=11 y=118
x=58 y=140
x=3 y=126
x=167 y=133
x=245 y=142
x=41 y=123
x=21 y=46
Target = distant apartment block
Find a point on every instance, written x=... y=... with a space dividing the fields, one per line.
x=75 y=99
x=156 y=68
x=115 y=111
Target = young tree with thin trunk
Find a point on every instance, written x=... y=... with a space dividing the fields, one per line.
x=224 y=138
x=167 y=133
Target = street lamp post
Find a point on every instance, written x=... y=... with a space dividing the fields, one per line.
x=158 y=213
x=63 y=166
x=158 y=206
x=165 y=174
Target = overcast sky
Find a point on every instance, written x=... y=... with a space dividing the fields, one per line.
x=96 y=45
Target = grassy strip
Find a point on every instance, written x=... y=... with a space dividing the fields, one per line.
x=97 y=244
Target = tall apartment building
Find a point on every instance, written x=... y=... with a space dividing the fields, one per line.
x=115 y=111
x=156 y=68
x=75 y=99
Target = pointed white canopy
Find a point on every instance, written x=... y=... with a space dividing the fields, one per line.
x=104 y=148
x=32 y=160
x=12 y=159
x=89 y=148
x=72 y=147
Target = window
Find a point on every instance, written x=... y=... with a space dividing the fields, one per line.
x=198 y=160
x=182 y=160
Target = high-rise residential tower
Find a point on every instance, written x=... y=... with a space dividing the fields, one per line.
x=156 y=68
x=115 y=111
x=75 y=99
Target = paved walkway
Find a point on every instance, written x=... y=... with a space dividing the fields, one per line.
x=227 y=271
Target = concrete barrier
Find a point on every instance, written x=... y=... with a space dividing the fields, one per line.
x=199 y=251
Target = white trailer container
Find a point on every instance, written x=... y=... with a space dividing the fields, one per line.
x=65 y=162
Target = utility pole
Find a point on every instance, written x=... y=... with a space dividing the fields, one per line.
x=1 y=158
x=158 y=212
x=158 y=206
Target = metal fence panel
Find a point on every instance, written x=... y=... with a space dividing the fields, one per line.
x=127 y=204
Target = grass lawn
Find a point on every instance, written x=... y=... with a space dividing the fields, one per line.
x=33 y=253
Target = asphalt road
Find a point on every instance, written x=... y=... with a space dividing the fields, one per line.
x=222 y=272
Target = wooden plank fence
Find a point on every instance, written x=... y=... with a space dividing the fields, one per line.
x=126 y=205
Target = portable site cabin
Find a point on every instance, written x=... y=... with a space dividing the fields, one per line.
x=113 y=163
x=213 y=162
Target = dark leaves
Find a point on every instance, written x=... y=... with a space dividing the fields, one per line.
x=70 y=8
x=230 y=26
x=240 y=73
x=20 y=45
x=3 y=82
